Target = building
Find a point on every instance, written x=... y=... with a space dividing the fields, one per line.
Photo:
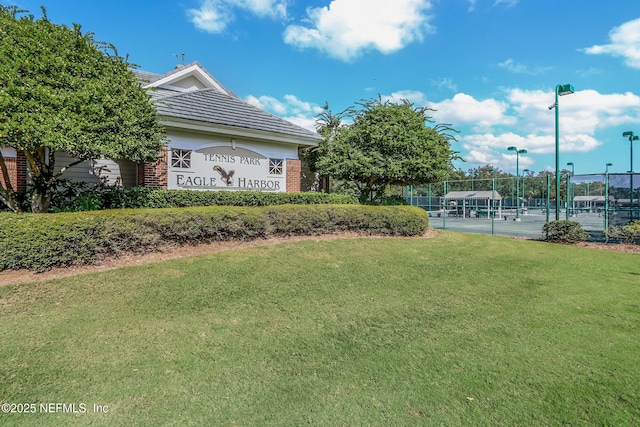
x=215 y=141
x=468 y=204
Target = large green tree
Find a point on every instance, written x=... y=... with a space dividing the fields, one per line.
x=61 y=90
x=383 y=143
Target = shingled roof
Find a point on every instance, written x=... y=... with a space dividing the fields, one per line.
x=217 y=106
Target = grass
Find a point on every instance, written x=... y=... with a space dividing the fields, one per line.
x=456 y=330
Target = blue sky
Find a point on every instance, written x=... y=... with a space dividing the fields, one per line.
x=488 y=67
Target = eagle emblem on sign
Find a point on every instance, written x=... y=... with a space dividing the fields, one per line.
x=226 y=176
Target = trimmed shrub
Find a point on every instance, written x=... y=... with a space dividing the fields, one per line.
x=629 y=233
x=564 y=232
x=77 y=197
x=41 y=241
x=139 y=197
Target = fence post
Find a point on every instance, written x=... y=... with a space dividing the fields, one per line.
x=492 y=212
x=606 y=207
x=548 y=199
x=567 y=192
x=444 y=207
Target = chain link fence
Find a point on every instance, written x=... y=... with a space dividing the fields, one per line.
x=519 y=207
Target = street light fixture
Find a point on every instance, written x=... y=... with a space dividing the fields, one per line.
x=606 y=171
x=518 y=152
x=572 y=168
x=632 y=138
x=561 y=90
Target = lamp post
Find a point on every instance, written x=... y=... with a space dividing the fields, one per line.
x=572 y=167
x=518 y=152
x=632 y=138
x=561 y=90
x=606 y=196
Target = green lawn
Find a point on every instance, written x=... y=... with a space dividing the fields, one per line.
x=457 y=330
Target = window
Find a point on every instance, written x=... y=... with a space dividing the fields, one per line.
x=180 y=158
x=275 y=166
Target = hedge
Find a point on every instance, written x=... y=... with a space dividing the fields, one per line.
x=629 y=233
x=76 y=198
x=563 y=231
x=41 y=241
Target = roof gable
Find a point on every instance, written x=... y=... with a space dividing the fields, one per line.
x=216 y=108
x=189 y=97
x=185 y=78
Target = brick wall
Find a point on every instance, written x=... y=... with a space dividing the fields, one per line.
x=21 y=171
x=294 y=175
x=17 y=169
x=154 y=175
x=12 y=170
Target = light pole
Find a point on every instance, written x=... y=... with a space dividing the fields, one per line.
x=518 y=152
x=572 y=167
x=561 y=90
x=606 y=196
x=632 y=138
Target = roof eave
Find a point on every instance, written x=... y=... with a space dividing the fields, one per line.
x=234 y=131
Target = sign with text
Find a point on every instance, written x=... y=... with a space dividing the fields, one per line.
x=224 y=168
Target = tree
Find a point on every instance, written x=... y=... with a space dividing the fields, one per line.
x=385 y=144
x=60 y=90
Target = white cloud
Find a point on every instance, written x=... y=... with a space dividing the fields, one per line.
x=214 y=16
x=508 y=3
x=489 y=126
x=517 y=68
x=445 y=83
x=291 y=108
x=524 y=120
x=463 y=109
x=472 y=5
x=347 y=28
x=268 y=103
x=625 y=42
x=414 y=96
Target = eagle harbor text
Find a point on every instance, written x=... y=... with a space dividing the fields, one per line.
x=210 y=182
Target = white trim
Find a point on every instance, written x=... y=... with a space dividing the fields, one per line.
x=192 y=71
x=239 y=132
x=8 y=152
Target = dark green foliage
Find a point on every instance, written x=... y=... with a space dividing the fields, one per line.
x=41 y=241
x=629 y=233
x=61 y=90
x=393 y=201
x=564 y=232
x=154 y=198
x=386 y=144
x=101 y=197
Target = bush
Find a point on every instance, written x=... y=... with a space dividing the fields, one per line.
x=41 y=241
x=629 y=233
x=141 y=197
x=564 y=232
